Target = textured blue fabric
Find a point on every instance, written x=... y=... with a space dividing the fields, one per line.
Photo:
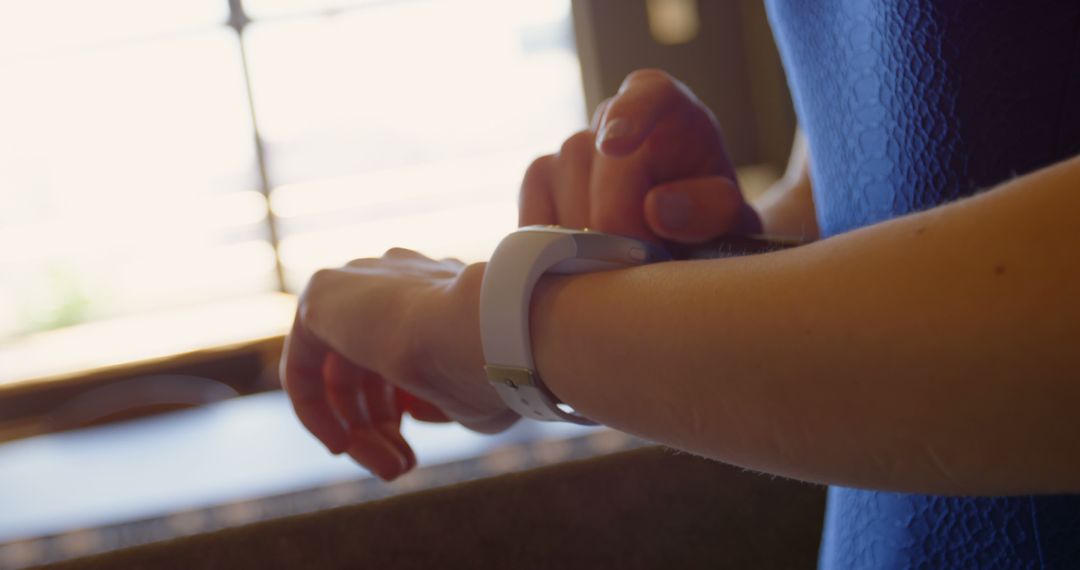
x=907 y=104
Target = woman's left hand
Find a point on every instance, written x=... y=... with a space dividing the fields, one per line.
x=378 y=337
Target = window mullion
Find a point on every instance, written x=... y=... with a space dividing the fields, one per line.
x=238 y=21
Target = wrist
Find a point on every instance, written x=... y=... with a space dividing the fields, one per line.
x=446 y=337
x=465 y=294
x=519 y=261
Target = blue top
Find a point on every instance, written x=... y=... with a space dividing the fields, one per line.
x=907 y=104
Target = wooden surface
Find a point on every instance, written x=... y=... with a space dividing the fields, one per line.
x=243 y=460
x=647 y=508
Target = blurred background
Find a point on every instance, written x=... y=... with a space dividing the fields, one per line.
x=172 y=171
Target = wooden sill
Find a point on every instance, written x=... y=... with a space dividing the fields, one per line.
x=236 y=343
x=130 y=345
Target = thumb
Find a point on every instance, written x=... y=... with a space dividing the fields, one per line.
x=697 y=210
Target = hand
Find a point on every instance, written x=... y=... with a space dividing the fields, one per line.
x=378 y=337
x=652 y=166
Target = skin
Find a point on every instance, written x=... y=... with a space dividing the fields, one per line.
x=933 y=353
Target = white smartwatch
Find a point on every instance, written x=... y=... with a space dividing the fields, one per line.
x=505 y=294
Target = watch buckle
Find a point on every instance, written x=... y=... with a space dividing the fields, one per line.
x=510 y=376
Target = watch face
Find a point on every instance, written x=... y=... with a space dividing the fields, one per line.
x=601 y=251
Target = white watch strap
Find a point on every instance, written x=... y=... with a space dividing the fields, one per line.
x=515 y=267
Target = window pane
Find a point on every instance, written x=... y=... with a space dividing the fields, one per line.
x=395 y=123
x=531 y=10
x=44 y=26
x=124 y=172
x=457 y=208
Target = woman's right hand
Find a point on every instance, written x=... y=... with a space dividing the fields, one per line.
x=653 y=165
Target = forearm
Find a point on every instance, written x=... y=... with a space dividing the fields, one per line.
x=933 y=353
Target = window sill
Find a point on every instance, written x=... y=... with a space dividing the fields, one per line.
x=234 y=344
x=130 y=345
x=227 y=464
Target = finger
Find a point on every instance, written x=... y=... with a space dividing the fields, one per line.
x=344 y=388
x=372 y=449
x=301 y=377
x=392 y=433
x=621 y=177
x=403 y=253
x=643 y=99
x=654 y=131
x=364 y=403
x=362 y=262
x=536 y=205
x=699 y=209
x=380 y=399
x=616 y=193
x=598 y=115
x=459 y=264
x=571 y=182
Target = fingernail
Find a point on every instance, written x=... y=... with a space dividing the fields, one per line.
x=673 y=209
x=401 y=464
x=613 y=130
x=338 y=444
x=374 y=452
x=393 y=435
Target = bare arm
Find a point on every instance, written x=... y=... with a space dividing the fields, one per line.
x=933 y=353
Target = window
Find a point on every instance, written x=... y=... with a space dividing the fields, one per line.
x=171 y=153
x=407 y=123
